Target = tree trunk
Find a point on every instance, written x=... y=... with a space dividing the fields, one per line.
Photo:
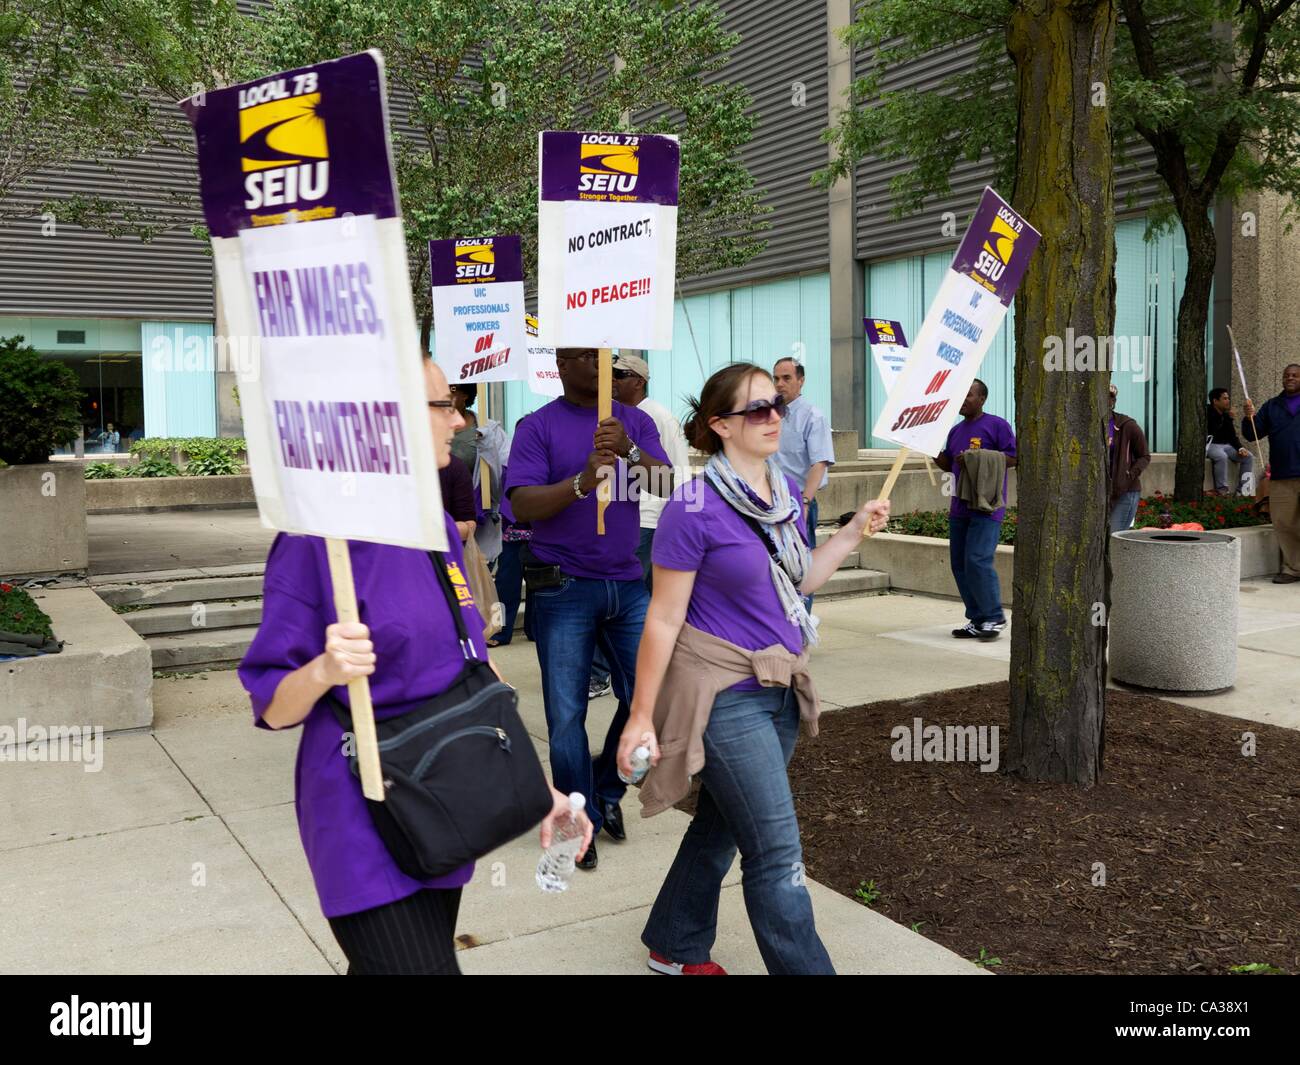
x=1065 y=187
x=1189 y=357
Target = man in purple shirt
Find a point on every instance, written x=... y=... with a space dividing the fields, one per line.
x=973 y=536
x=584 y=590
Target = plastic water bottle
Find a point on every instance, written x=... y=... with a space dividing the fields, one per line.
x=558 y=861
x=640 y=766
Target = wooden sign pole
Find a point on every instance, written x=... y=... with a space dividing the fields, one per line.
x=888 y=487
x=363 y=714
x=605 y=409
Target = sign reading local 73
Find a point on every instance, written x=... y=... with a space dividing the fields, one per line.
x=607 y=238
x=296 y=179
x=965 y=316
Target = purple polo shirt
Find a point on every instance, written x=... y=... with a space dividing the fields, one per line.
x=552 y=445
x=733 y=597
x=417 y=656
x=1293 y=404
x=990 y=433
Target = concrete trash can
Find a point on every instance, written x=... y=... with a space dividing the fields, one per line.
x=1173 y=614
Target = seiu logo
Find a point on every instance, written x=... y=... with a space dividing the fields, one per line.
x=607 y=165
x=885 y=331
x=999 y=245
x=283 y=148
x=475 y=260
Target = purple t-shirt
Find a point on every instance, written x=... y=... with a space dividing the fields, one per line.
x=417 y=656
x=552 y=445
x=733 y=597
x=1293 y=404
x=990 y=433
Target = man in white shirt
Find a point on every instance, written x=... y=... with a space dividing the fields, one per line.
x=807 y=451
x=631 y=379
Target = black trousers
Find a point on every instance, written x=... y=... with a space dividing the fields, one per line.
x=415 y=936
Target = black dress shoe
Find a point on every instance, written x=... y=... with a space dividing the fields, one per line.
x=613 y=814
x=588 y=860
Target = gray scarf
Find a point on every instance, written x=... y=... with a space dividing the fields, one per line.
x=779 y=524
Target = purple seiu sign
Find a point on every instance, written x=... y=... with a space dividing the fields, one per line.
x=610 y=167
x=884 y=331
x=475 y=260
x=298 y=146
x=996 y=249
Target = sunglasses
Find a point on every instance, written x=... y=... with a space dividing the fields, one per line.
x=588 y=356
x=442 y=404
x=622 y=375
x=756 y=411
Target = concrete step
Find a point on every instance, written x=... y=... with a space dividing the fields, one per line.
x=183 y=617
x=197 y=590
x=851 y=583
x=200 y=649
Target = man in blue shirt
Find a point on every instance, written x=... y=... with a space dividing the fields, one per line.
x=806 y=448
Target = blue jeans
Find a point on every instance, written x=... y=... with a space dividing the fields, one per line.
x=570 y=621
x=509 y=581
x=1123 y=511
x=744 y=803
x=972 y=547
x=599 y=666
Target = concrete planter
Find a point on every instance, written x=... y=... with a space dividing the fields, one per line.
x=103 y=677
x=1173 y=615
x=168 y=493
x=42 y=519
x=920 y=563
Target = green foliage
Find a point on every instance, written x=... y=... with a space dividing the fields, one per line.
x=1214 y=512
x=19 y=613
x=1258 y=968
x=1236 y=119
x=225 y=449
x=485 y=76
x=93 y=80
x=866 y=892
x=155 y=468
x=986 y=960
x=213 y=464
x=104 y=471
x=40 y=404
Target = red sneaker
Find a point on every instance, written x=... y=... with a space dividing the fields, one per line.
x=660 y=964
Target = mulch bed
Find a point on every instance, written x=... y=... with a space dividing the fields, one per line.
x=1201 y=844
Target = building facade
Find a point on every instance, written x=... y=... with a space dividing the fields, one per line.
x=136 y=321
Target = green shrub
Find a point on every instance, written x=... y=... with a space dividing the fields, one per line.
x=213 y=464
x=104 y=471
x=40 y=404
x=19 y=613
x=155 y=468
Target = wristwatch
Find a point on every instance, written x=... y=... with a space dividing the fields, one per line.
x=577 y=487
x=633 y=455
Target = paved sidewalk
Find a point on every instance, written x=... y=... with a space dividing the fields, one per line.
x=182 y=854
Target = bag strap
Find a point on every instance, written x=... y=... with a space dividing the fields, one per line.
x=758 y=531
x=449 y=592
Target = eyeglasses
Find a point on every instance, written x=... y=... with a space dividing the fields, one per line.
x=448 y=405
x=589 y=356
x=756 y=411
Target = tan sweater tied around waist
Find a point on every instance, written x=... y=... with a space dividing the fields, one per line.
x=701 y=668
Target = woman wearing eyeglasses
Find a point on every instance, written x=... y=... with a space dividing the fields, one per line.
x=385 y=921
x=722 y=680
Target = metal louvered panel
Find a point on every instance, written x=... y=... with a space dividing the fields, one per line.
x=75 y=272
x=781 y=43
x=880 y=236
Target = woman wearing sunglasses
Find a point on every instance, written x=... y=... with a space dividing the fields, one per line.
x=722 y=680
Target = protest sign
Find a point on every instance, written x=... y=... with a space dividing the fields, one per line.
x=296 y=181
x=607 y=247
x=543 y=377
x=478 y=308
x=964 y=317
x=888 y=346
x=969 y=307
x=607 y=238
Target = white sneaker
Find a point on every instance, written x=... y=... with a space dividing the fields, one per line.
x=991 y=630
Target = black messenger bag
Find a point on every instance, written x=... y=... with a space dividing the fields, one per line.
x=461 y=776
